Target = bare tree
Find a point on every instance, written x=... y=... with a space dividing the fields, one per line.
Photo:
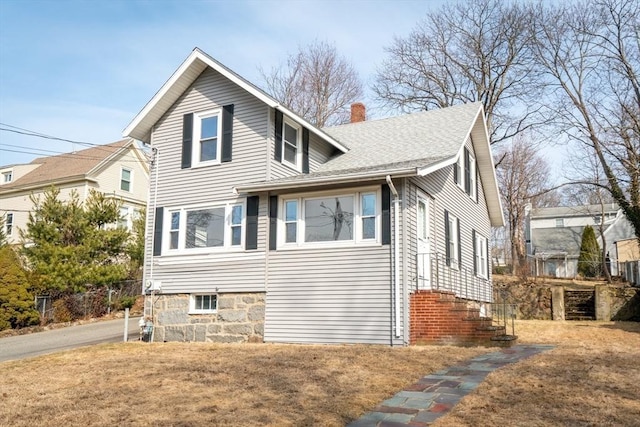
x=316 y=83
x=522 y=176
x=479 y=50
x=590 y=53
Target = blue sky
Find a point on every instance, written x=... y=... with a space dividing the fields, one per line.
x=81 y=70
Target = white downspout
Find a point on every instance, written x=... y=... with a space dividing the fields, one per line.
x=396 y=255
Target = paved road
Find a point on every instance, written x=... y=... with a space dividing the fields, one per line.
x=23 y=346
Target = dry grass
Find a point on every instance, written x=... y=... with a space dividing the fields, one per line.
x=591 y=378
x=177 y=384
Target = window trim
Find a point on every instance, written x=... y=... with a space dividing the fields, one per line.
x=193 y=299
x=481 y=245
x=298 y=164
x=357 y=239
x=182 y=226
x=453 y=242
x=8 y=225
x=197 y=135
x=130 y=181
x=460 y=175
x=6 y=173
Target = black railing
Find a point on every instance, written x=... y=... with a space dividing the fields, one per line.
x=434 y=273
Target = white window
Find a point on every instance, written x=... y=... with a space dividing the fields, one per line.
x=559 y=222
x=203 y=304
x=124 y=221
x=8 y=224
x=125 y=179
x=7 y=177
x=452 y=241
x=207 y=128
x=481 y=256
x=207 y=227
x=292 y=144
x=465 y=173
x=344 y=217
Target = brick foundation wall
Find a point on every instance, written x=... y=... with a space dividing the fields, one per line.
x=239 y=318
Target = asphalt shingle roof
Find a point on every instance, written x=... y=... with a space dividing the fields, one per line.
x=60 y=167
x=561 y=239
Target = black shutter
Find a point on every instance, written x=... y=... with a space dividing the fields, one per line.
x=187 y=140
x=475 y=263
x=447 y=238
x=273 y=223
x=278 y=136
x=459 y=245
x=386 y=215
x=157 y=232
x=305 y=150
x=455 y=172
x=477 y=179
x=252 y=222
x=467 y=172
x=227 y=132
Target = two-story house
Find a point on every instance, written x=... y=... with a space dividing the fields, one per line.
x=119 y=169
x=262 y=226
x=554 y=236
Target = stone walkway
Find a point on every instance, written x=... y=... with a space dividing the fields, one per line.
x=433 y=396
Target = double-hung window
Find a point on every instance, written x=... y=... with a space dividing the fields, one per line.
x=8 y=223
x=465 y=173
x=125 y=179
x=191 y=229
x=344 y=217
x=291 y=144
x=452 y=240
x=481 y=260
x=207 y=130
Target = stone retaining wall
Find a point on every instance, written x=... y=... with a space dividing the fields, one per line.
x=239 y=318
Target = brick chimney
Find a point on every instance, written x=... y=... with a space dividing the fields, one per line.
x=358 y=112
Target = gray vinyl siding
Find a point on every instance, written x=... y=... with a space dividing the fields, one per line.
x=448 y=196
x=177 y=187
x=337 y=295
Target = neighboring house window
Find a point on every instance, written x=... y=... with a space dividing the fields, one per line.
x=560 y=222
x=125 y=179
x=351 y=217
x=203 y=304
x=480 y=251
x=207 y=227
x=291 y=144
x=8 y=223
x=597 y=219
x=123 y=220
x=452 y=240
x=464 y=173
x=7 y=177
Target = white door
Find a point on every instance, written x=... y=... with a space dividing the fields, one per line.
x=424 y=245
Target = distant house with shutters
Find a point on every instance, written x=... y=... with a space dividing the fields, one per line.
x=263 y=227
x=119 y=170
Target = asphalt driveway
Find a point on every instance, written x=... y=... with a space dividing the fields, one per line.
x=29 y=345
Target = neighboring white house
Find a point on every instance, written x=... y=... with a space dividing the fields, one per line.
x=554 y=236
x=264 y=227
x=119 y=169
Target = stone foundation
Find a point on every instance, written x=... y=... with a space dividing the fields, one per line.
x=239 y=318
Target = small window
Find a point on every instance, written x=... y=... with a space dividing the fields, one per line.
x=123 y=220
x=8 y=223
x=207 y=138
x=203 y=304
x=236 y=225
x=291 y=145
x=560 y=222
x=174 y=232
x=465 y=173
x=125 y=180
x=452 y=241
x=7 y=177
x=368 y=215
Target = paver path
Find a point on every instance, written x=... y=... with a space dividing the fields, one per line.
x=434 y=395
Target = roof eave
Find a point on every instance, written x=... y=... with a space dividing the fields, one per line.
x=324 y=180
x=46 y=184
x=183 y=77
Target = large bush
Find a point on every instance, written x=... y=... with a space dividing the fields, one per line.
x=16 y=302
